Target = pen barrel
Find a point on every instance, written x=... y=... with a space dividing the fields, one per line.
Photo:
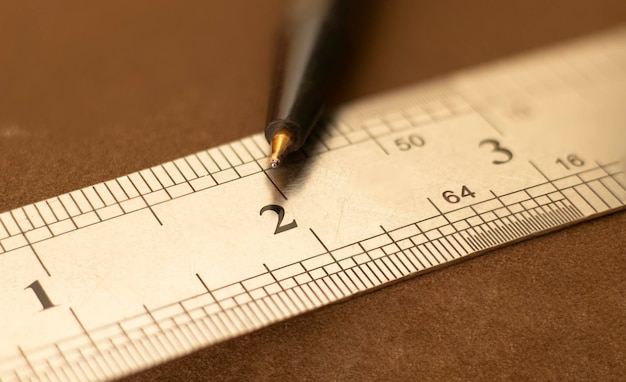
x=309 y=62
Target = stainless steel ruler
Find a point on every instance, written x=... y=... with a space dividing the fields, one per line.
x=128 y=273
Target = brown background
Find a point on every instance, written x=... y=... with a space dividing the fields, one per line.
x=93 y=90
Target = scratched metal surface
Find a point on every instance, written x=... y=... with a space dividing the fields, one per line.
x=401 y=335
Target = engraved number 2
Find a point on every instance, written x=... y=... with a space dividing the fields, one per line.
x=280 y=211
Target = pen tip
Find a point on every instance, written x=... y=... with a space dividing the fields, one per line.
x=281 y=143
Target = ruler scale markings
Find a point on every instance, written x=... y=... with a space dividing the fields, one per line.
x=4 y=233
x=85 y=367
x=393 y=268
x=529 y=213
x=150 y=179
x=555 y=209
x=33 y=215
x=485 y=240
x=251 y=302
x=485 y=235
x=512 y=227
x=406 y=263
x=564 y=212
x=121 y=357
x=161 y=330
x=336 y=289
x=197 y=167
x=531 y=226
x=253 y=148
x=309 y=293
x=458 y=248
x=65 y=360
x=591 y=197
x=103 y=193
x=257 y=313
x=621 y=182
x=179 y=333
x=575 y=198
x=533 y=223
x=272 y=308
x=281 y=310
x=266 y=309
x=114 y=188
x=185 y=169
x=521 y=224
x=346 y=276
x=54 y=371
x=462 y=243
x=598 y=191
x=229 y=155
x=227 y=326
x=425 y=254
x=384 y=268
x=398 y=263
x=175 y=169
x=476 y=238
x=286 y=299
x=78 y=371
x=81 y=201
x=448 y=247
x=308 y=283
x=95 y=201
x=364 y=281
x=30 y=365
x=207 y=161
x=615 y=189
x=499 y=233
x=559 y=215
x=151 y=350
x=375 y=269
x=217 y=158
x=605 y=193
x=548 y=217
x=371 y=276
x=162 y=177
x=408 y=258
x=242 y=152
x=131 y=348
x=505 y=230
x=539 y=222
x=139 y=184
x=571 y=210
x=297 y=301
x=22 y=222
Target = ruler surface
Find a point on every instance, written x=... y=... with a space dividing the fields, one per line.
x=116 y=277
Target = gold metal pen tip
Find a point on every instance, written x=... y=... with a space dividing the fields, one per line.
x=281 y=143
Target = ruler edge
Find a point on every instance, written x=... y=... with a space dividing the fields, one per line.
x=375 y=99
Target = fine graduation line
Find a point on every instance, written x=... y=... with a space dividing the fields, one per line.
x=230 y=321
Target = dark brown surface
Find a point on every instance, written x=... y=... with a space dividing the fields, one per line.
x=90 y=91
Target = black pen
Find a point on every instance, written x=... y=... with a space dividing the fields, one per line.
x=315 y=43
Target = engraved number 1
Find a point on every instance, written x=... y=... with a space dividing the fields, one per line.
x=41 y=294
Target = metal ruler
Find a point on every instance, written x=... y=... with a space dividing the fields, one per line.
x=117 y=277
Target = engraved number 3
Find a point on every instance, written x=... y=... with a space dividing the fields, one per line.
x=497 y=149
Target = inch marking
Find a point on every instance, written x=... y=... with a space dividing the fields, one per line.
x=30 y=365
x=41 y=294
